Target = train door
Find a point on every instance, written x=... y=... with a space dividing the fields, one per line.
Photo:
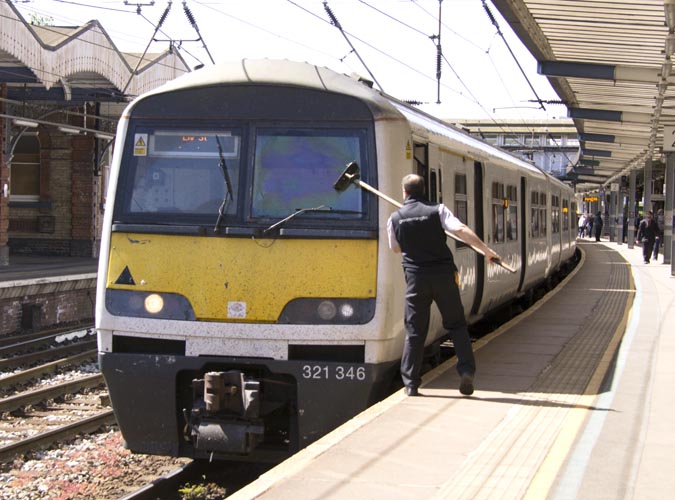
x=480 y=231
x=421 y=160
x=433 y=176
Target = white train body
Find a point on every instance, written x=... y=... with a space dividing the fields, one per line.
x=294 y=325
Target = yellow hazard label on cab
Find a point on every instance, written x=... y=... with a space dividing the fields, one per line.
x=141 y=145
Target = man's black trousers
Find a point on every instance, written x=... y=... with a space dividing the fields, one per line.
x=421 y=290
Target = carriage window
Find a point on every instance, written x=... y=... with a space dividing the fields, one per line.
x=461 y=210
x=296 y=168
x=534 y=212
x=542 y=214
x=565 y=215
x=512 y=216
x=498 y=202
x=555 y=214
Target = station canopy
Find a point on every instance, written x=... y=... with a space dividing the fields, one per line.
x=47 y=69
x=610 y=63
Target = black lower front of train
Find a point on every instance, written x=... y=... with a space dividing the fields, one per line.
x=235 y=408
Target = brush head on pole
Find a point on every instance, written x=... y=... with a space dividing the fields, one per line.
x=350 y=174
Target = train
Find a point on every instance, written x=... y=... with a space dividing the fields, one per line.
x=245 y=307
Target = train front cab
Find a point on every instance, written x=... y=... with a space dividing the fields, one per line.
x=269 y=310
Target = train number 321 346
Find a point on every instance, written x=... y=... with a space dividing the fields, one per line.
x=325 y=372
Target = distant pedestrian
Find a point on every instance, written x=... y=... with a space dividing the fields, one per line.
x=589 y=225
x=661 y=227
x=647 y=235
x=582 y=225
x=597 y=226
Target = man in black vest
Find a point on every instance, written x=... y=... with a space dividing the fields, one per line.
x=417 y=230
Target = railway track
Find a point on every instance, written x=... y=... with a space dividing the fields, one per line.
x=53 y=401
x=21 y=351
x=85 y=425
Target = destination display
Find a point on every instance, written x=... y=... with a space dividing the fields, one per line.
x=193 y=144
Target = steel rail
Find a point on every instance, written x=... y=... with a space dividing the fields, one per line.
x=87 y=425
x=12 y=403
x=24 y=359
x=47 y=368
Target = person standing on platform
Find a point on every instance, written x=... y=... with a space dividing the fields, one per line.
x=661 y=227
x=581 y=225
x=417 y=231
x=589 y=225
x=597 y=226
x=647 y=235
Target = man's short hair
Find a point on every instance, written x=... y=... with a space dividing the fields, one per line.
x=413 y=184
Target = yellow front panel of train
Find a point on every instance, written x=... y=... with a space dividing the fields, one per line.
x=262 y=274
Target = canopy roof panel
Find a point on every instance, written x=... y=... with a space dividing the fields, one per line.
x=610 y=63
x=75 y=64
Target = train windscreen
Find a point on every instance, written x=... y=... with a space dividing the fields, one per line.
x=296 y=169
x=247 y=175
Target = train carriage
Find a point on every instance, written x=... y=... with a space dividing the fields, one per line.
x=244 y=306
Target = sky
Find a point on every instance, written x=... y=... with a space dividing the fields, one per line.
x=388 y=41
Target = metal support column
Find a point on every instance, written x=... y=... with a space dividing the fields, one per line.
x=612 y=210
x=647 y=191
x=619 y=215
x=668 y=241
x=631 y=208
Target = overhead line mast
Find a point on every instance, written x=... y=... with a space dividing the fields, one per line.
x=140 y=60
x=192 y=21
x=439 y=55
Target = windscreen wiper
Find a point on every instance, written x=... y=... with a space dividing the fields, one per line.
x=228 y=186
x=321 y=208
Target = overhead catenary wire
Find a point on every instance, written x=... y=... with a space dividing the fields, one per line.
x=140 y=60
x=494 y=22
x=334 y=21
x=538 y=100
x=387 y=54
x=475 y=100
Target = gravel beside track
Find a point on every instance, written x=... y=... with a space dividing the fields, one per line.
x=90 y=467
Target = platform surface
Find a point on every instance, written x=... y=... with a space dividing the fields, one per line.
x=26 y=268
x=574 y=399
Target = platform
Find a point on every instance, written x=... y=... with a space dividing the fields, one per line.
x=573 y=400
x=38 y=292
x=26 y=267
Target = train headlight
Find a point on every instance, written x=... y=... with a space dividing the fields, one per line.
x=332 y=311
x=346 y=311
x=326 y=310
x=148 y=305
x=154 y=303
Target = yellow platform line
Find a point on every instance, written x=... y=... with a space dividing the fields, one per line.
x=547 y=473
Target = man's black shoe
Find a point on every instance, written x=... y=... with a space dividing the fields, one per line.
x=466 y=384
x=411 y=391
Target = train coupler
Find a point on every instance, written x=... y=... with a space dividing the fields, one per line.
x=225 y=413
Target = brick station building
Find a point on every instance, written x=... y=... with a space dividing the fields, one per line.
x=62 y=90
